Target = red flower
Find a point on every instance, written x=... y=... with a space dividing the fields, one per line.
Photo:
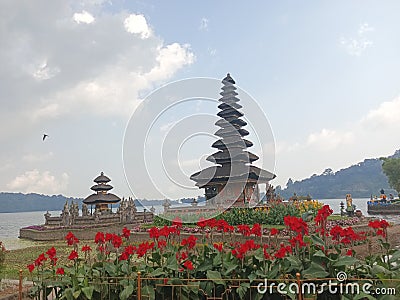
x=296 y=224
x=281 y=253
x=244 y=229
x=123 y=256
x=116 y=241
x=143 y=248
x=73 y=255
x=86 y=248
x=218 y=246
x=323 y=214
x=51 y=252
x=177 y=222
x=162 y=244
x=256 y=230
x=298 y=240
x=349 y=252
x=154 y=233
x=53 y=260
x=190 y=241
x=31 y=267
x=266 y=254
x=336 y=232
x=376 y=224
x=41 y=258
x=60 y=271
x=274 y=231
x=109 y=236
x=182 y=256
x=126 y=233
x=188 y=265
x=165 y=231
x=202 y=222
x=71 y=239
x=381 y=232
x=99 y=238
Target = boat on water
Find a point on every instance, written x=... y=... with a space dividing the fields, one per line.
x=383 y=206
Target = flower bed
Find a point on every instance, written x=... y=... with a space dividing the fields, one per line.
x=200 y=265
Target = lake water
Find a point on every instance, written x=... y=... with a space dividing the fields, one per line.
x=10 y=223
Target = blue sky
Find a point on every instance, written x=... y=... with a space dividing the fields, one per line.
x=324 y=73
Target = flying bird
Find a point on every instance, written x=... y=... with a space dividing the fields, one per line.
x=44 y=136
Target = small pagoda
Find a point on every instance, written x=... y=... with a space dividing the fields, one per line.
x=101 y=199
x=234 y=180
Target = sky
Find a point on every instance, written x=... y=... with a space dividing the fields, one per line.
x=323 y=75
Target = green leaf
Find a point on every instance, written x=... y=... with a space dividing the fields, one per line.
x=395 y=256
x=229 y=268
x=88 y=291
x=376 y=270
x=207 y=287
x=126 y=292
x=205 y=265
x=157 y=272
x=215 y=276
x=125 y=267
x=172 y=264
x=295 y=263
x=148 y=292
x=217 y=260
x=315 y=271
x=76 y=294
x=242 y=289
x=317 y=240
x=346 y=261
x=111 y=269
x=251 y=277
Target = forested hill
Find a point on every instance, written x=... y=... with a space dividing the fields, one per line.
x=361 y=181
x=18 y=202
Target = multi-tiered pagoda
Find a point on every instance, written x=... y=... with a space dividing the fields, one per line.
x=101 y=199
x=234 y=181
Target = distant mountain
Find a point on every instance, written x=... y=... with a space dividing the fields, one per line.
x=361 y=181
x=18 y=202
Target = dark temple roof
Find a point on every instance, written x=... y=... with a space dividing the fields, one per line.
x=234 y=162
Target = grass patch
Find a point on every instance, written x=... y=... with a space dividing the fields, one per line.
x=18 y=259
x=336 y=217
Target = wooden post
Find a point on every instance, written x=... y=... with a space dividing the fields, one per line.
x=139 y=286
x=20 y=286
x=298 y=280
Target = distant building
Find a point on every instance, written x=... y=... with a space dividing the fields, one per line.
x=101 y=199
x=234 y=180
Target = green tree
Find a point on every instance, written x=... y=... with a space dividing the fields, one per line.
x=391 y=167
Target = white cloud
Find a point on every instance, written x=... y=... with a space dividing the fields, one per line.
x=171 y=58
x=65 y=69
x=355 y=46
x=39 y=182
x=329 y=139
x=34 y=158
x=204 y=24
x=137 y=24
x=386 y=115
x=83 y=17
x=44 y=71
x=372 y=136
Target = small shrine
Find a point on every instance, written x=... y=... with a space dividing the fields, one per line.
x=101 y=199
x=234 y=180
